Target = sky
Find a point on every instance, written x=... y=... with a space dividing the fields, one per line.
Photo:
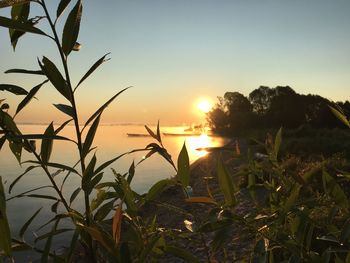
x=173 y=53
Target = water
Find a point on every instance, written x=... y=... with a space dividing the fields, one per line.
x=111 y=141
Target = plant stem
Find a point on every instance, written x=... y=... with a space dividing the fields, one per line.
x=75 y=114
x=75 y=118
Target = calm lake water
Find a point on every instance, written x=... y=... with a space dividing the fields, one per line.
x=111 y=141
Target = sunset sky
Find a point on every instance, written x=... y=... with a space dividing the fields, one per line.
x=175 y=52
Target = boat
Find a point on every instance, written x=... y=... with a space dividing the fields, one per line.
x=181 y=134
x=138 y=135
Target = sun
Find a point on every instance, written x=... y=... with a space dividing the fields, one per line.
x=204 y=105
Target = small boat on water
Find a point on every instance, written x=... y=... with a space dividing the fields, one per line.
x=181 y=134
x=138 y=135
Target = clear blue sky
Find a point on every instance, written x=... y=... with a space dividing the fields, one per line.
x=173 y=52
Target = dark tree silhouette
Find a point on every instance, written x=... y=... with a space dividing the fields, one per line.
x=270 y=108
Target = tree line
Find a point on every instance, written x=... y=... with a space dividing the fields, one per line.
x=267 y=107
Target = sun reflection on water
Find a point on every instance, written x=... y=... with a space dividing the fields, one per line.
x=195 y=142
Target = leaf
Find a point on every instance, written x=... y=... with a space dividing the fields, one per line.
x=157 y=188
x=92 y=69
x=27 y=223
x=150 y=132
x=71 y=28
x=183 y=166
x=5 y=237
x=181 y=253
x=38 y=137
x=131 y=173
x=292 y=198
x=74 y=195
x=226 y=184
x=103 y=107
x=104 y=211
x=90 y=136
x=333 y=189
x=16 y=149
x=61 y=7
x=25 y=71
x=46 y=144
x=29 y=97
x=24 y=27
x=277 y=144
x=103 y=239
x=45 y=253
x=56 y=165
x=72 y=247
x=108 y=163
x=159 y=138
x=117 y=224
x=55 y=77
x=341 y=116
x=88 y=174
x=8 y=3
x=19 y=13
x=201 y=199
x=13 y=89
x=62 y=126
x=65 y=109
x=48 y=197
x=20 y=176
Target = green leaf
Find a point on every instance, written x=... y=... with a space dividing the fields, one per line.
x=27 y=223
x=24 y=27
x=277 y=144
x=25 y=71
x=103 y=239
x=293 y=197
x=19 y=13
x=226 y=184
x=108 y=163
x=5 y=237
x=16 y=148
x=103 y=107
x=92 y=69
x=74 y=195
x=183 y=166
x=131 y=173
x=20 y=176
x=341 y=116
x=61 y=7
x=29 y=97
x=48 y=197
x=72 y=247
x=55 y=77
x=65 y=109
x=8 y=3
x=88 y=174
x=45 y=254
x=56 y=165
x=129 y=197
x=46 y=144
x=103 y=211
x=157 y=188
x=333 y=189
x=181 y=253
x=150 y=132
x=90 y=136
x=71 y=28
x=61 y=127
x=159 y=138
x=7 y=123
x=13 y=89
